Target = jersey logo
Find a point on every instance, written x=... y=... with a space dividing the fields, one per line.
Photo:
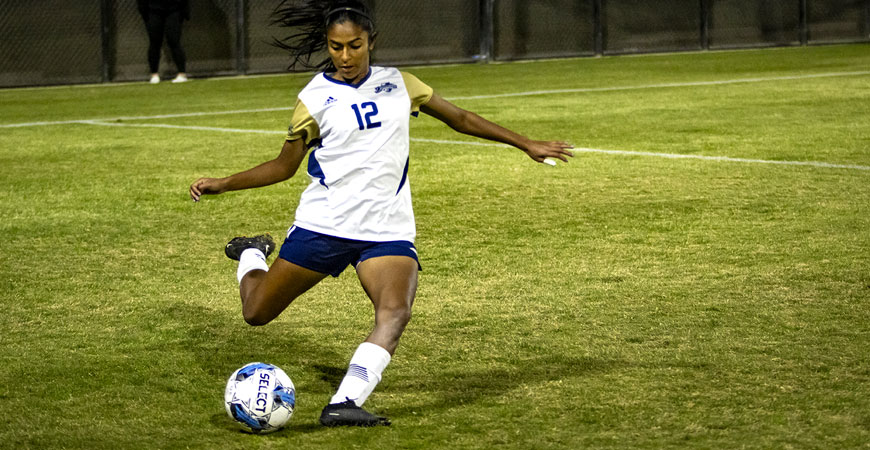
x=330 y=101
x=386 y=87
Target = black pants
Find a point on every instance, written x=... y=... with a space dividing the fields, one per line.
x=165 y=23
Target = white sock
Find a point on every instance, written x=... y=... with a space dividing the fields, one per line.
x=251 y=259
x=364 y=373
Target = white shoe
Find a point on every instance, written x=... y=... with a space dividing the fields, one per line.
x=180 y=78
x=155 y=79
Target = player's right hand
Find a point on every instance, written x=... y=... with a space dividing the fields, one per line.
x=205 y=186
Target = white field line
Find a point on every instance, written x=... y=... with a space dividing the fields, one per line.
x=493 y=144
x=176 y=127
x=666 y=155
x=666 y=85
x=161 y=116
x=476 y=97
x=212 y=113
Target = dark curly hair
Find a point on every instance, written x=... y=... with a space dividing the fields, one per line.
x=308 y=21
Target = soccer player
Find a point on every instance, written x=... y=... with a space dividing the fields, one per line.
x=353 y=122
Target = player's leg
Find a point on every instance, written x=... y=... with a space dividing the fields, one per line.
x=173 y=39
x=156 y=26
x=391 y=284
x=266 y=291
x=265 y=294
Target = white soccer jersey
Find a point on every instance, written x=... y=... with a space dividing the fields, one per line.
x=358 y=163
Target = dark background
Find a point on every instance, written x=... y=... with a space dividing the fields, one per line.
x=90 y=41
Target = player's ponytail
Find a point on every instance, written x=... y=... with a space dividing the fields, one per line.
x=308 y=21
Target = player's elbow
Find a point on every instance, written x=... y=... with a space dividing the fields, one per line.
x=463 y=122
x=287 y=173
x=282 y=169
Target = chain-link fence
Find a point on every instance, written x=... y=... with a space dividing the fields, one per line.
x=50 y=44
x=770 y=22
x=60 y=42
x=543 y=29
x=837 y=20
x=651 y=25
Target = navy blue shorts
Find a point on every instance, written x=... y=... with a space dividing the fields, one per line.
x=329 y=254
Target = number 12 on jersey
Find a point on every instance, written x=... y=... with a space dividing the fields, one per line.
x=366 y=111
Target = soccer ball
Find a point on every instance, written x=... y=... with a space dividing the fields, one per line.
x=260 y=397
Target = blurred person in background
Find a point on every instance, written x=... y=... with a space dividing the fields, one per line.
x=165 y=18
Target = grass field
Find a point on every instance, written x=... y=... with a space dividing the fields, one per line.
x=630 y=299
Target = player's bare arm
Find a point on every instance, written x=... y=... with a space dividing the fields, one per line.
x=469 y=123
x=279 y=169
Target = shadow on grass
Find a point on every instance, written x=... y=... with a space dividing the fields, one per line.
x=331 y=375
x=474 y=386
x=221 y=421
x=220 y=345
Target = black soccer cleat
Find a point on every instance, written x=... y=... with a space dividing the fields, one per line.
x=236 y=246
x=349 y=415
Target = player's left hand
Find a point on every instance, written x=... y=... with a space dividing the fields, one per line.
x=541 y=150
x=203 y=186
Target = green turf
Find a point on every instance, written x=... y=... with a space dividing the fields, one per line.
x=619 y=301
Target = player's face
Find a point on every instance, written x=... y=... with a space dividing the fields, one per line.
x=349 y=47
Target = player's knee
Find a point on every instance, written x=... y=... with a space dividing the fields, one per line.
x=256 y=317
x=255 y=320
x=397 y=315
x=404 y=316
